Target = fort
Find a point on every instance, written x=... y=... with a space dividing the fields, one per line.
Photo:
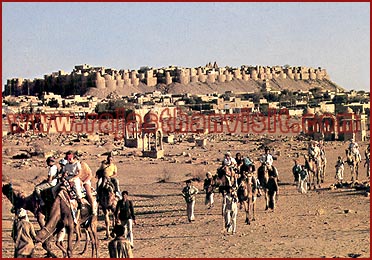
x=85 y=77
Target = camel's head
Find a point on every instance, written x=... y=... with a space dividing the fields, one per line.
x=7 y=189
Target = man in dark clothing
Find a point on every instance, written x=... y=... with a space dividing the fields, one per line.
x=208 y=187
x=247 y=166
x=120 y=247
x=125 y=213
x=239 y=160
x=296 y=170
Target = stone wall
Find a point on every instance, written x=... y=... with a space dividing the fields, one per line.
x=84 y=77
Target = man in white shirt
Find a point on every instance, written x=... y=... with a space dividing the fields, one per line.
x=229 y=161
x=267 y=158
x=51 y=181
x=354 y=149
x=72 y=169
x=230 y=210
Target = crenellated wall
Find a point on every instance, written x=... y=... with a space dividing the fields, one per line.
x=84 y=77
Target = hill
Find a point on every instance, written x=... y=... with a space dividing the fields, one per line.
x=236 y=85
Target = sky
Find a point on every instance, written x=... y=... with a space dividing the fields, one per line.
x=41 y=38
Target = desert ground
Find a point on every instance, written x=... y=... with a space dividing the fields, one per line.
x=321 y=223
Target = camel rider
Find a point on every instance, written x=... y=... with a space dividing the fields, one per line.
x=109 y=170
x=62 y=169
x=239 y=160
x=231 y=164
x=73 y=168
x=246 y=166
x=354 y=149
x=51 y=180
x=60 y=175
x=314 y=151
x=267 y=158
x=229 y=161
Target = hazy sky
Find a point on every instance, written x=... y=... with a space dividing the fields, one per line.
x=40 y=38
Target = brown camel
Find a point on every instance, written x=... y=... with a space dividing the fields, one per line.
x=107 y=201
x=323 y=166
x=61 y=211
x=272 y=191
x=247 y=195
x=30 y=203
x=311 y=165
x=353 y=162
x=268 y=178
x=224 y=179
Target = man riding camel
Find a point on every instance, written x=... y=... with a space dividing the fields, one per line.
x=231 y=167
x=73 y=169
x=229 y=161
x=108 y=170
x=354 y=149
x=314 y=150
x=51 y=181
x=267 y=158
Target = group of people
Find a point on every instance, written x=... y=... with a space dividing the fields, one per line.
x=316 y=151
x=76 y=177
x=354 y=151
x=236 y=168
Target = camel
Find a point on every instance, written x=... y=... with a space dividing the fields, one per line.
x=61 y=211
x=107 y=200
x=224 y=179
x=268 y=178
x=273 y=188
x=30 y=203
x=322 y=168
x=311 y=165
x=353 y=162
x=247 y=194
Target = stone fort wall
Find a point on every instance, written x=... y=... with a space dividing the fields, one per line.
x=84 y=77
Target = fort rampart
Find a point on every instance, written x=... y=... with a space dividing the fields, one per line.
x=84 y=77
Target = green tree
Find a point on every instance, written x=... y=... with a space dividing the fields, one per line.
x=340 y=100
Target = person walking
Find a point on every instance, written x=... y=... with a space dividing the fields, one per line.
x=124 y=214
x=189 y=193
x=120 y=247
x=230 y=210
x=340 y=164
x=208 y=187
x=23 y=234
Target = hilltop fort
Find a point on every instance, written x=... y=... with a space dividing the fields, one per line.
x=99 y=81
